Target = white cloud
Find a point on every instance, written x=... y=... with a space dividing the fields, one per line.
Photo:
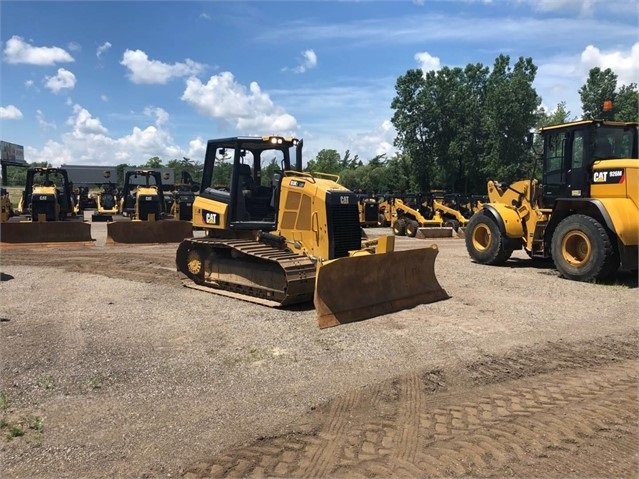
x=309 y=61
x=160 y=115
x=104 y=98
x=88 y=141
x=427 y=62
x=44 y=124
x=584 y=7
x=624 y=64
x=379 y=141
x=251 y=112
x=63 y=80
x=10 y=112
x=18 y=51
x=102 y=49
x=74 y=47
x=205 y=16
x=559 y=78
x=84 y=124
x=143 y=70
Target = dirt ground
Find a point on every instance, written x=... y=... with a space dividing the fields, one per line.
x=111 y=368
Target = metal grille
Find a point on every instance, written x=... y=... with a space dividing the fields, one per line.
x=343 y=229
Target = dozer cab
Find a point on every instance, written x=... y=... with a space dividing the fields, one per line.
x=183 y=196
x=368 y=209
x=107 y=203
x=6 y=208
x=295 y=239
x=585 y=212
x=141 y=216
x=108 y=199
x=47 y=210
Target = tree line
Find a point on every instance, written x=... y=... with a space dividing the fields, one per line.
x=456 y=128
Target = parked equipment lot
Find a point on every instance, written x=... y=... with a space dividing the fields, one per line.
x=110 y=368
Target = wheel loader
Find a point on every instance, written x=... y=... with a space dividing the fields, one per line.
x=296 y=239
x=46 y=211
x=141 y=215
x=584 y=214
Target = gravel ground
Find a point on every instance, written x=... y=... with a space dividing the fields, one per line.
x=110 y=376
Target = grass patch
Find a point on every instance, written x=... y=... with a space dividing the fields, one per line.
x=4 y=401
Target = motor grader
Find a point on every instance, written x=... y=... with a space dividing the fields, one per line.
x=584 y=214
x=47 y=211
x=295 y=239
x=141 y=215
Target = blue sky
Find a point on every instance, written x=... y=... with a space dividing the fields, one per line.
x=105 y=83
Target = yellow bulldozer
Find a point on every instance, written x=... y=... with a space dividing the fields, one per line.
x=141 y=215
x=368 y=209
x=585 y=212
x=47 y=211
x=296 y=240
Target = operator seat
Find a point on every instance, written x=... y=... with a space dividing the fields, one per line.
x=247 y=184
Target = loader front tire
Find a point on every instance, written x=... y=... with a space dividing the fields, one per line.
x=485 y=242
x=582 y=249
x=399 y=228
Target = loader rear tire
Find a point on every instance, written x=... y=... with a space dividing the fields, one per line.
x=381 y=221
x=399 y=228
x=582 y=250
x=485 y=242
x=411 y=228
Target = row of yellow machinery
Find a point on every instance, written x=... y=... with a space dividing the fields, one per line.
x=406 y=213
x=299 y=239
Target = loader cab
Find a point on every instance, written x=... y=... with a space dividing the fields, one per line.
x=236 y=173
x=571 y=149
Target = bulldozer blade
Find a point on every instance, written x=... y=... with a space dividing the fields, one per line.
x=362 y=287
x=145 y=232
x=33 y=232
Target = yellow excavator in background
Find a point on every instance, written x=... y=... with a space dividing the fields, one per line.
x=584 y=214
x=296 y=240
x=46 y=211
x=143 y=218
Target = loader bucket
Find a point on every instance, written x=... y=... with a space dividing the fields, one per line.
x=45 y=232
x=361 y=287
x=136 y=232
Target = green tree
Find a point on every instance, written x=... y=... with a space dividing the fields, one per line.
x=511 y=106
x=153 y=162
x=326 y=161
x=559 y=115
x=600 y=86
x=415 y=119
x=626 y=103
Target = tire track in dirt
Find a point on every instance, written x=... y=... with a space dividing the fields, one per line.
x=530 y=425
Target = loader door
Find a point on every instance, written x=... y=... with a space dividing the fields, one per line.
x=577 y=174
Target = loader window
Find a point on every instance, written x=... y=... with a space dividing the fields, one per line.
x=554 y=159
x=578 y=150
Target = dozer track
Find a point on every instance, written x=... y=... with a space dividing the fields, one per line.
x=246 y=269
